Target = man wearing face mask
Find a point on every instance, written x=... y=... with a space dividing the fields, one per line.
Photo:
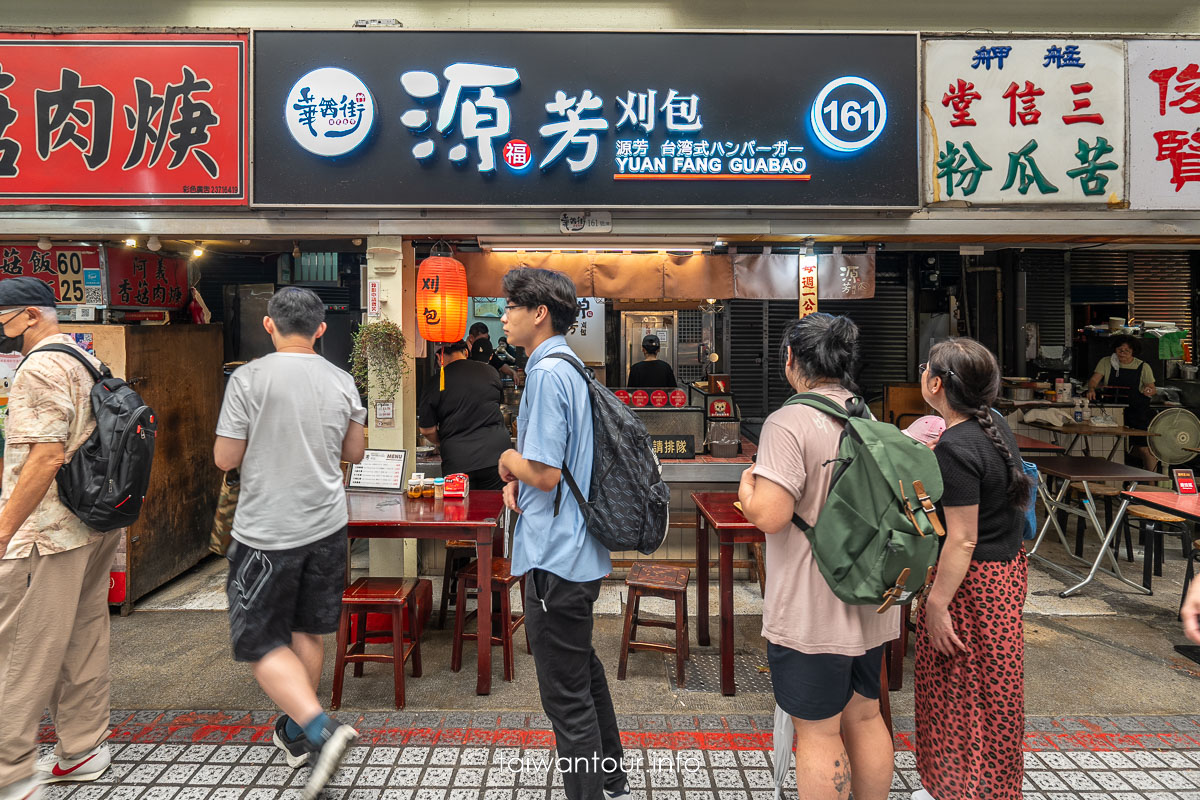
x=53 y=568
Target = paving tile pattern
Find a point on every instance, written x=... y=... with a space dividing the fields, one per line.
x=223 y=755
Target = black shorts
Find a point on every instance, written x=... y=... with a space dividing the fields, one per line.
x=275 y=593
x=818 y=686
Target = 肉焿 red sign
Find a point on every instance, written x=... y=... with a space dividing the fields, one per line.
x=146 y=280
x=123 y=119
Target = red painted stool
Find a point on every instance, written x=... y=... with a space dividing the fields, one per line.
x=393 y=596
x=502 y=581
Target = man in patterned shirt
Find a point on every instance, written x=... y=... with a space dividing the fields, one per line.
x=53 y=568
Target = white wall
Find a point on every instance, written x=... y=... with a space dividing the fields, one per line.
x=1153 y=16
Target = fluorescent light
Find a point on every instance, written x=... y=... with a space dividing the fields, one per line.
x=616 y=244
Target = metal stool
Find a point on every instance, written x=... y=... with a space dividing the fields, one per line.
x=501 y=581
x=392 y=596
x=657 y=580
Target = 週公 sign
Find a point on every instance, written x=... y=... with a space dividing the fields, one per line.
x=123 y=119
x=1025 y=121
x=73 y=272
x=484 y=118
x=1164 y=124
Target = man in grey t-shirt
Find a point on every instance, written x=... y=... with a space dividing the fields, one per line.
x=288 y=421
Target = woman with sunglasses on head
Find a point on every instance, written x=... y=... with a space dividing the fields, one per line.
x=970 y=649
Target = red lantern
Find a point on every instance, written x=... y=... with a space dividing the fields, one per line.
x=442 y=299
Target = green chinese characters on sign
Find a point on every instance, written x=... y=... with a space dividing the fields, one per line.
x=951 y=163
x=1091 y=179
x=1024 y=171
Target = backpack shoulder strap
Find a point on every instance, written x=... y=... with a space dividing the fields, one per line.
x=96 y=374
x=854 y=408
x=566 y=472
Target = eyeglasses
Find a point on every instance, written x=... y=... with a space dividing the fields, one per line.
x=937 y=372
x=16 y=312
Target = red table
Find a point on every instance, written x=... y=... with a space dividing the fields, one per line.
x=716 y=509
x=374 y=515
x=1183 y=505
x=1028 y=444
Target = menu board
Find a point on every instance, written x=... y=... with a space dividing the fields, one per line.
x=379 y=469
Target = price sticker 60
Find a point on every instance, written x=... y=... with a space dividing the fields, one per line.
x=69 y=267
x=848 y=114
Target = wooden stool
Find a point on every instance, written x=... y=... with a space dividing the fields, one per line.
x=387 y=595
x=455 y=549
x=502 y=581
x=1151 y=522
x=1106 y=493
x=1193 y=557
x=657 y=580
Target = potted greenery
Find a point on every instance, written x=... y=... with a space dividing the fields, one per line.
x=379 y=353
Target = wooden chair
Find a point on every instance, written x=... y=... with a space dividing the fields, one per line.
x=656 y=580
x=501 y=581
x=903 y=403
x=393 y=596
x=456 y=550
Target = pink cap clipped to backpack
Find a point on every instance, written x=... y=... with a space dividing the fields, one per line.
x=926 y=430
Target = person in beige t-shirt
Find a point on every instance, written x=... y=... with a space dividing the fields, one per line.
x=825 y=656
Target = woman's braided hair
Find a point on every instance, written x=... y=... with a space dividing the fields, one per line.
x=972 y=379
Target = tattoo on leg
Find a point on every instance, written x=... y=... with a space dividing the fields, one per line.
x=841 y=776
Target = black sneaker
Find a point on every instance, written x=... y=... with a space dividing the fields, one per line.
x=327 y=754
x=295 y=751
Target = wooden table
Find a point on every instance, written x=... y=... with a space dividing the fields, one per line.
x=1028 y=444
x=716 y=509
x=375 y=515
x=1085 y=470
x=1082 y=429
x=1182 y=505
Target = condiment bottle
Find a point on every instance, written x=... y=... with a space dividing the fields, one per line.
x=427 y=488
x=414 y=487
x=439 y=488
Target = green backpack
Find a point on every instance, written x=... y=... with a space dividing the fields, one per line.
x=876 y=538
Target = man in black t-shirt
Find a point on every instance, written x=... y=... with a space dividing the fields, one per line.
x=651 y=373
x=480 y=342
x=464 y=420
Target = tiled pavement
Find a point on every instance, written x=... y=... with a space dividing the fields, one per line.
x=223 y=755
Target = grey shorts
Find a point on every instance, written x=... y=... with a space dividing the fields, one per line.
x=275 y=593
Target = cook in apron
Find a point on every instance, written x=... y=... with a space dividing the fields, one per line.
x=1138 y=414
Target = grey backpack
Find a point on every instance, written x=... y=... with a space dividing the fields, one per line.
x=628 y=502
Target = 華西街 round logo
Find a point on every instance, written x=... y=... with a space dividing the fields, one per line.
x=330 y=112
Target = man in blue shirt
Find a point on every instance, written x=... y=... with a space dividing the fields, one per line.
x=551 y=545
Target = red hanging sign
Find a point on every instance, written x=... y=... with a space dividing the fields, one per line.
x=146 y=280
x=123 y=119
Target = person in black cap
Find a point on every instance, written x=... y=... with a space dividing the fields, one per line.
x=53 y=568
x=651 y=373
x=479 y=339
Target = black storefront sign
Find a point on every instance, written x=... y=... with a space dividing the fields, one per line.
x=492 y=119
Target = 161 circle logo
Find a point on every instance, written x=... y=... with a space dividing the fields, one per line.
x=848 y=114
x=329 y=112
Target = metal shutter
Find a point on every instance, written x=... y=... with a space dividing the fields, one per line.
x=1162 y=288
x=1099 y=277
x=887 y=328
x=1046 y=295
x=748 y=351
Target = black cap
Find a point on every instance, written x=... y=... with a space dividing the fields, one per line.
x=26 y=292
x=651 y=343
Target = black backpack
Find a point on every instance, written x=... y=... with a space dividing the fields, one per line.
x=104 y=483
x=629 y=505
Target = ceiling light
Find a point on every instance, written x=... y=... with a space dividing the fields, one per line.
x=197 y=251
x=131 y=242
x=243 y=241
x=44 y=243
x=610 y=245
x=356 y=242
x=153 y=244
x=295 y=250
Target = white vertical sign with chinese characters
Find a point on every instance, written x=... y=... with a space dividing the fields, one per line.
x=1164 y=124
x=808 y=285
x=1024 y=121
x=586 y=336
x=373 y=297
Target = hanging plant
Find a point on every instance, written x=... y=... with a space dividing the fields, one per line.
x=379 y=352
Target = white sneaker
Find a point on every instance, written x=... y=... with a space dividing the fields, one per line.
x=28 y=789
x=87 y=767
x=921 y=794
